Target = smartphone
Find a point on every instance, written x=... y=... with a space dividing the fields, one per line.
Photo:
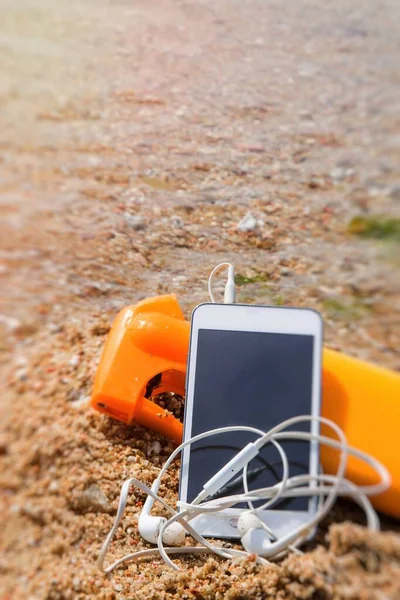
x=257 y=366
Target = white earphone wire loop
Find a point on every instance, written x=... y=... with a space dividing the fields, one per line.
x=327 y=487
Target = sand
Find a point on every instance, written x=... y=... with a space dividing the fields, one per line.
x=134 y=138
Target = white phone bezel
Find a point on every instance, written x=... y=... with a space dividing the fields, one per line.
x=269 y=319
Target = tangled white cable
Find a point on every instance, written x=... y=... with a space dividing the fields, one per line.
x=256 y=538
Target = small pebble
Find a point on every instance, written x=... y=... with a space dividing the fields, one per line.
x=76 y=583
x=74 y=361
x=154 y=448
x=9 y=322
x=93 y=499
x=176 y=221
x=340 y=173
x=81 y=401
x=21 y=361
x=53 y=486
x=248 y=223
x=136 y=222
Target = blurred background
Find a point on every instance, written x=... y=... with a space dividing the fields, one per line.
x=141 y=143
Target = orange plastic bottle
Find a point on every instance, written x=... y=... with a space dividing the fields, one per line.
x=144 y=355
x=364 y=400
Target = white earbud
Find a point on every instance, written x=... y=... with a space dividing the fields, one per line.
x=149 y=526
x=174 y=535
x=256 y=541
x=149 y=529
x=246 y=521
x=255 y=538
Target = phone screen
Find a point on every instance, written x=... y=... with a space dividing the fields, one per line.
x=250 y=378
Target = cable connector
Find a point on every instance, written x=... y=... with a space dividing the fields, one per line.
x=230 y=286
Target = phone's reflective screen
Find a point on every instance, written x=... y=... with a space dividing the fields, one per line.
x=250 y=378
